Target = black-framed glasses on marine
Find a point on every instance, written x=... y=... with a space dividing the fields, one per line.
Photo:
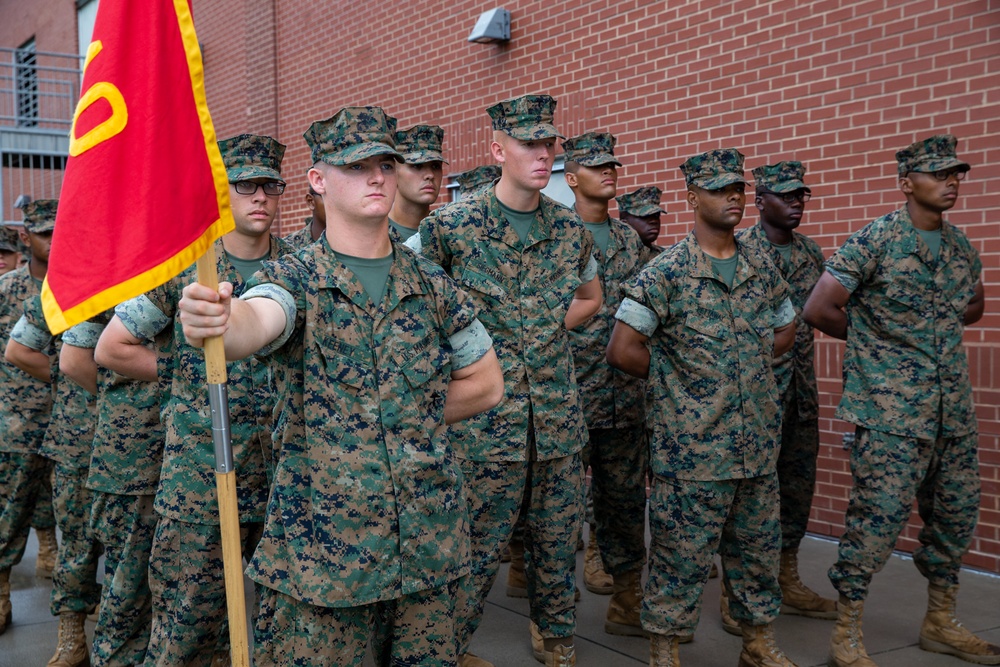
x=271 y=188
x=789 y=197
x=945 y=174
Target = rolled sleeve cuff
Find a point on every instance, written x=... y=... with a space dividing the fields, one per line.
x=849 y=283
x=469 y=345
x=638 y=317
x=784 y=315
x=84 y=334
x=141 y=317
x=589 y=271
x=283 y=298
x=27 y=334
x=414 y=243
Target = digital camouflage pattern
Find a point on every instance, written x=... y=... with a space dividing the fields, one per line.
x=301 y=237
x=74 y=578
x=40 y=215
x=416 y=629
x=932 y=154
x=781 y=177
x=521 y=293
x=691 y=521
x=796 y=469
x=190 y=625
x=20 y=480
x=248 y=156
x=367 y=504
x=610 y=398
x=890 y=471
x=641 y=202
x=351 y=135
x=713 y=398
x=715 y=169
x=43 y=517
x=476 y=180
x=526 y=118
x=124 y=524
x=187 y=487
x=9 y=239
x=905 y=369
x=591 y=149
x=420 y=144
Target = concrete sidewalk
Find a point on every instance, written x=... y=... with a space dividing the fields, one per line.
x=892 y=620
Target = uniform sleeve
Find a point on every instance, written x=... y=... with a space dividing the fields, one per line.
x=142 y=318
x=855 y=262
x=283 y=298
x=784 y=315
x=638 y=317
x=469 y=345
x=414 y=244
x=649 y=289
x=31 y=330
x=285 y=282
x=431 y=243
x=589 y=271
x=84 y=334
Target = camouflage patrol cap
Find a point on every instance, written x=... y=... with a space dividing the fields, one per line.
x=591 y=149
x=351 y=135
x=642 y=202
x=421 y=144
x=9 y=239
x=249 y=156
x=526 y=118
x=714 y=169
x=478 y=178
x=40 y=215
x=933 y=154
x=782 y=177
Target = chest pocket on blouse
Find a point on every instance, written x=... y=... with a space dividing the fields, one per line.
x=421 y=362
x=559 y=292
x=342 y=363
x=708 y=327
x=481 y=282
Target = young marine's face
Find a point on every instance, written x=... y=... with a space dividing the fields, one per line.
x=600 y=183
x=647 y=226
x=361 y=190
x=930 y=193
x=8 y=261
x=778 y=213
x=719 y=209
x=419 y=183
x=527 y=164
x=254 y=213
x=39 y=244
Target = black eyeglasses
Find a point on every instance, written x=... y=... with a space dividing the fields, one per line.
x=789 y=197
x=945 y=174
x=271 y=188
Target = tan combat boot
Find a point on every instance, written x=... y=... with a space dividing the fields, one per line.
x=798 y=599
x=517 y=581
x=72 y=649
x=551 y=652
x=48 y=550
x=941 y=632
x=663 y=651
x=624 y=606
x=595 y=578
x=472 y=660
x=5 y=608
x=728 y=624
x=760 y=649
x=847 y=648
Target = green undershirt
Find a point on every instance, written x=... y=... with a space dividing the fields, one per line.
x=246 y=267
x=602 y=234
x=404 y=232
x=725 y=269
x=373 y=273
x=785 y=250
x=933 y=240
x=521 y=221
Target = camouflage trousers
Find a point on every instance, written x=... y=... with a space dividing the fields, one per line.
x=74 y=579
x=43 y=517
x=20 y=481
x=551 y=492
x=796 y=472
x=889 y=471
x=689 y=522
x=125 y=526
x=618 y=459
x=186 y=578
x=416 y=629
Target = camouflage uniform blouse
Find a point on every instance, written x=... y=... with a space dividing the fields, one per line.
x=522 y=293
x=70 y=435
x=905 y=370
x=801 y=272
x=367 y=502
x=25 y=403
x=187 y=476
x=611 y=398
x=301 y=237
x=714 y=408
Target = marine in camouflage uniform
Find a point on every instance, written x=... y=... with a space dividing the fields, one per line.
x=640 y=209
x=185 y=567
x=315 y=224
x=477 y=179
x=781 y=195
x=612 y=400
x=367 y=525
x=418 y=179
x=528 y=285
x=25 y=406
x=711 y=327
x=68 y=441
x=124 y=472
x=900 y=291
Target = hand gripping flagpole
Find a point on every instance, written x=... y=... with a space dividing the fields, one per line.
x=225 y=476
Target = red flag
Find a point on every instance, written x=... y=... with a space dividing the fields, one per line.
x=145 y=192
